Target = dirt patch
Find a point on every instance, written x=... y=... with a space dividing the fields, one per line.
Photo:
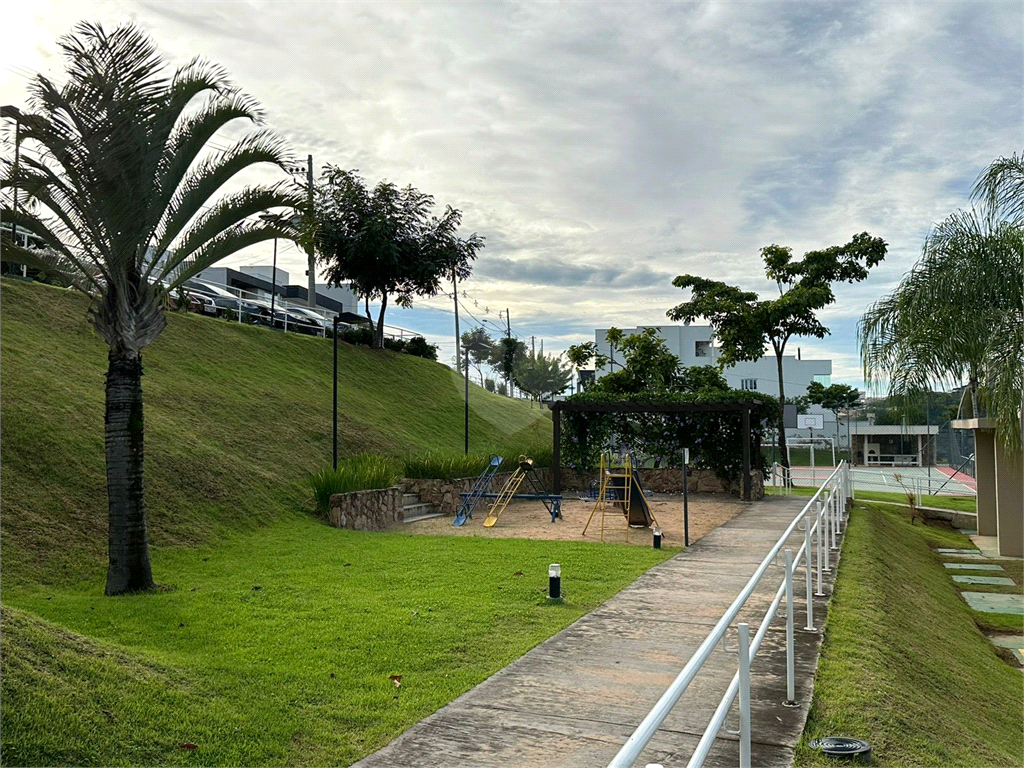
x=529 y=519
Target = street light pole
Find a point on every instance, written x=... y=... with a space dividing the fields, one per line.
x=467 y=348
x=467 y=399
x=334 y=422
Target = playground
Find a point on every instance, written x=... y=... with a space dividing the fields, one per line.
x=528 y=519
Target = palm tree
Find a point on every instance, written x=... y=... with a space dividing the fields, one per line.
x=121 y=187
x=957 y=314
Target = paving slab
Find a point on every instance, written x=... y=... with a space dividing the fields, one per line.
x=1014 y=642
x=960 y=552
x=972 y=567
x=993 y=602
x=575 y=699
x=995 y=581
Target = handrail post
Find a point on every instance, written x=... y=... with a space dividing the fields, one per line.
x=744 y=654
x=790 y=650
x=809 y=576
x=826 y=524
x=818 y=543
x=835 y=519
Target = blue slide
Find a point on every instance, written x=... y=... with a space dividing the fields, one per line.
x=479 y=489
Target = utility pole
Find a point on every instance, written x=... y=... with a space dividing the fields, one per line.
x=458 y=339
x=309 y=246
x=533 y=345
x=508 y=335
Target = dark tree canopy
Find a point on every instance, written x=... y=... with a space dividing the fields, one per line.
x=385 y=242
x=744 y=324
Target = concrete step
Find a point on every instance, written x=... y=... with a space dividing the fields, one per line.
x=410 y=498
x=422 y=517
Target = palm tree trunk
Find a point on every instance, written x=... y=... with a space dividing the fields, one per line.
x=129 y=569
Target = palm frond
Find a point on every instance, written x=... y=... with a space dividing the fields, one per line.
x=221 y=245
x=204 y=181
x=1001 y=185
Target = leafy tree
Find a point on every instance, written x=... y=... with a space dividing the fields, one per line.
x=955 y=315
x=385 y=241
x=506 y=357
x=835 y=398
x=121 y=177
x=744 y=325
x=539 y=374
x=479 y=343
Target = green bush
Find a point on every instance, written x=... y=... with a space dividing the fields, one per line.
x=441 y=466
x=363 y=472
x=418 y=346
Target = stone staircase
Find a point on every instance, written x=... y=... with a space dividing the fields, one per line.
x=414 y=509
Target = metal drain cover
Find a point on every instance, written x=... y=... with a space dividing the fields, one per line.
x=843 y=748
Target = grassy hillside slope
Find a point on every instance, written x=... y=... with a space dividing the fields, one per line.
x=236 y=417
x=903 y=665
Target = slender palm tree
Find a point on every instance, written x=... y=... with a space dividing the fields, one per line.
x=125 y=190
x=956 y=315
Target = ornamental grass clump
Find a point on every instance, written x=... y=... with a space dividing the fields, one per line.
x=362 y=472
x=441 y=466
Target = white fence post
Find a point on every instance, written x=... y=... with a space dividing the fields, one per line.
x=818 y=532
x=790 y=650
x=744 y=653
x=808 y=572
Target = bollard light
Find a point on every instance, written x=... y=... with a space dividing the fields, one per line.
x=554 y=581
x=657 y=537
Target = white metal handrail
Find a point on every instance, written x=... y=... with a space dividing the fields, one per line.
x=828 y=503
x=783 y=475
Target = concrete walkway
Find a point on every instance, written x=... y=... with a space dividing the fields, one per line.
x=575 y=698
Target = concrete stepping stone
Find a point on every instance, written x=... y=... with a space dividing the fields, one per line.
x=991 y=602
x=1014 y=642
x=972 y=567
x=1001 y=581
x=960 y=552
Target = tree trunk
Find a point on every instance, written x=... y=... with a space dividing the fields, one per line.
x=378 y=337
x=783 y=453
x=129 y=569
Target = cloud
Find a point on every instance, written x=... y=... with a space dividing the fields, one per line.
x=604 y=148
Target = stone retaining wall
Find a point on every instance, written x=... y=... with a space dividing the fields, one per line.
x=367 y=510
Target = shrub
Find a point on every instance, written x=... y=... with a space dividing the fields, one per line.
x=418 y=346
x=360 y=334
x=363 y=472
x=441 y=466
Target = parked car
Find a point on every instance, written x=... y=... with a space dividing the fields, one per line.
x=306 y=321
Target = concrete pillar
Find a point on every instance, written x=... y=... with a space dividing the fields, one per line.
x=985 y=475
x=1009 y=480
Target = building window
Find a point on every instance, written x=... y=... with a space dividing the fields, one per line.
x=824 y=379
x=702 y=349
x=748 y=384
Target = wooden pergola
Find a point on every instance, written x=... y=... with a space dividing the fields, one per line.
x=560 y=406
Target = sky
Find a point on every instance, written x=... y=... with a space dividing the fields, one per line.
x=601 y=149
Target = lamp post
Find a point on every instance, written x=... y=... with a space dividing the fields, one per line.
x=467 y=348
x=267 y=217
x=334 y=421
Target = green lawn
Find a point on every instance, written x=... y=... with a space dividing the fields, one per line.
x=904 y=665
x=276 y=647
